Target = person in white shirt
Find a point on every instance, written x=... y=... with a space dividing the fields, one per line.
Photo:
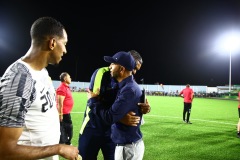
x=29 y=121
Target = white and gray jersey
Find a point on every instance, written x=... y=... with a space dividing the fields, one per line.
x=27 y=100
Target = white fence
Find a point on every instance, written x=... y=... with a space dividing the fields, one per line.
x=158 y=88
x=148 y=87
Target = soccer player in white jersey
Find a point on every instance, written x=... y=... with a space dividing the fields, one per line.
x=29 y=120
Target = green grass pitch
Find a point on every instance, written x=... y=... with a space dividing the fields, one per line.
x=211 y=136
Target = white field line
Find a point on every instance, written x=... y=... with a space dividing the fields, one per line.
x=77 y=112
x=193 y=119
x=146 y=115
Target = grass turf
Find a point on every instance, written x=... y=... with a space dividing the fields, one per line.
x=211 y=136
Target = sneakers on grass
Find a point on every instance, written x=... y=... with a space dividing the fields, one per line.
x=238 y=135
x=184 y=121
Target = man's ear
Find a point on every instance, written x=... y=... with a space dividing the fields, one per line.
x=122 y=68
x=52 y=43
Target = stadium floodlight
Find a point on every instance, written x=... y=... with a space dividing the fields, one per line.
x=231 y=44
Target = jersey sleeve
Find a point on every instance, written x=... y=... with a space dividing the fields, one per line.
x=96 y=79
x=17 y=92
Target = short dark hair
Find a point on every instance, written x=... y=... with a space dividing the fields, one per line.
x=188 y=85
x=63 y=75
x=46 y=26
x=136 y=56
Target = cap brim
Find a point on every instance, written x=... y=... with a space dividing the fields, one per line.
x=109 y=59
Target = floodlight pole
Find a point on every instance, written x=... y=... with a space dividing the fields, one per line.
x=230 y=64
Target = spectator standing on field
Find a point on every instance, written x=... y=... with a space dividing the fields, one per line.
x=29 y=120
x=65 y=105
x=238 y=126
x=187 y=94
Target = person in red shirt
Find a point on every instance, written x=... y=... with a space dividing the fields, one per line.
x=238 y=125
x=187 y=94
x=65 y=105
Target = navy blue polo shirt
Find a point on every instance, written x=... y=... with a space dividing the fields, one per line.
x=127 y=98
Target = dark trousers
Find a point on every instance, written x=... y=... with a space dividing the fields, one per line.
x=239 y=112
x=187 y=110
x=90 y=143
x=67 y=128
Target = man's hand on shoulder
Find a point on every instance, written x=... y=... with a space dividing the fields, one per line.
x=91 y=94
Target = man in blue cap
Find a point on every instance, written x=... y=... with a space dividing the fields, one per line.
x=94 y=134
x=122 y=64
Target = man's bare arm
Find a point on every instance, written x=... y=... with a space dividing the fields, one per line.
x=10 y=150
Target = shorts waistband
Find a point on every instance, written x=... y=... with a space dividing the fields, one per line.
x=123 y=144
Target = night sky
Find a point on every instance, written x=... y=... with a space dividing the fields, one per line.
x=176 y=39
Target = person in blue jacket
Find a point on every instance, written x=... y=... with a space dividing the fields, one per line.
x=128 y=139
x=94 y=133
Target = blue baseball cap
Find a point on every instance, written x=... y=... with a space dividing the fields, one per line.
x=125 y=59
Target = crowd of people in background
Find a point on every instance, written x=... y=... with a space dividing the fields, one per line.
x=171 y=93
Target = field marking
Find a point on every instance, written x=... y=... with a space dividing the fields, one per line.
x=180 y=118
x=193 y=119
x=77 y=112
